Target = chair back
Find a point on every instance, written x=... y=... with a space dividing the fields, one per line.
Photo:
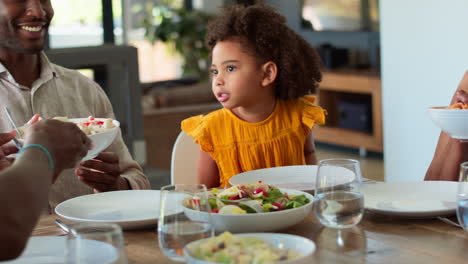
x=184 y=160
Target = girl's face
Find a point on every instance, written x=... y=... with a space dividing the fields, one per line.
x=236 y=76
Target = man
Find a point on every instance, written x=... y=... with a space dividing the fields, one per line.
x=30 y=84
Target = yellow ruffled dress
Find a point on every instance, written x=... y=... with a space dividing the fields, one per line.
x=237 y=146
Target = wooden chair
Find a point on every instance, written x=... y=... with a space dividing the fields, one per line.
x=184 y=160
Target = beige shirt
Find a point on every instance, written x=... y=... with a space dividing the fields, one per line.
x=64 y=92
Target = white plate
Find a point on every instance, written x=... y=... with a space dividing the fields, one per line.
x=51 y=250
x=411 y=199
x=260 y=222
x=129 y=209
x=301 y=245
x=300 y=178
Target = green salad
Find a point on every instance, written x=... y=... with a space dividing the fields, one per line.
x=232 y=249
x=249 y=199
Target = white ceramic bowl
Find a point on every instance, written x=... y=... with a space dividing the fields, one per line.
x=100 y=141
x=452 y=121
x=260 y=222
x=301 y=245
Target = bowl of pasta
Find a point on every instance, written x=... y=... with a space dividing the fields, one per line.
x=453 y=119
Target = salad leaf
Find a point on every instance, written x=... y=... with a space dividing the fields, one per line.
x=273 y=195
x=222 y=258
x=213 y=203
x=247 y=209
x=297 y=201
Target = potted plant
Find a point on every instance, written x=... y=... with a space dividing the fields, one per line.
x=184 y=30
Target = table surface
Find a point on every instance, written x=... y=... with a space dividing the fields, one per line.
x=377 y=239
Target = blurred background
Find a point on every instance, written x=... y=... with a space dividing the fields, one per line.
x=379 y=56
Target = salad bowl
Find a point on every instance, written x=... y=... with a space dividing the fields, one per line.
x=237 y=222
x=100 y=141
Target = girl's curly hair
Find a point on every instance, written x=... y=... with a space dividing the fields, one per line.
x=263 y=32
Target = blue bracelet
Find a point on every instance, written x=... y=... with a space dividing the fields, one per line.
x=46 y=152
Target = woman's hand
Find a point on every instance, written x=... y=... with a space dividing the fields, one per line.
x=6 y=149
x=66 y=143
x=102 y=173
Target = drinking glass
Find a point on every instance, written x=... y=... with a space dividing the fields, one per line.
x=462 y=197
x=338 y=201
x=179 y=225
x=95 y=243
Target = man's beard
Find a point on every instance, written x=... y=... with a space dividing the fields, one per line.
x=11 y=42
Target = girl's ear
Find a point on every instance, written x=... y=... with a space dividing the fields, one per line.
x=270 y=71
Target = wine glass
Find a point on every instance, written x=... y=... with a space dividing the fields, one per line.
x=338 y=201
x=178 y=224
x=95 y=243
x=462 y=196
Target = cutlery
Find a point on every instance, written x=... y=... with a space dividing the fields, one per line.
x=18 y=134
x=448 y=221
x=62 y=225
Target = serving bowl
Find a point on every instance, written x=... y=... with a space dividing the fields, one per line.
x=305 y=247
x=259 y=222
x=452 y=121
x=100 y=141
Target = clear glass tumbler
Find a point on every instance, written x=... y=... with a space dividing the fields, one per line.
x=338 y=201
x=95 y=243
x=184 y=217
x=462 y=196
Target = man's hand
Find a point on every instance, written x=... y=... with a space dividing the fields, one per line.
x=102 y=173
x=6 y=150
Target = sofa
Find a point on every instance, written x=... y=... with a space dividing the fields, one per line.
x=164 y=109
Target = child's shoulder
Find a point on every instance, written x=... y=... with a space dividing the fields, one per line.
x=200 y=122
x=308 y=100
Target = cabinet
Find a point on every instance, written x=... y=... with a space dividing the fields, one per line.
x=361 y=86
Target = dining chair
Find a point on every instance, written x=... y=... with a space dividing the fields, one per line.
x=184 y=160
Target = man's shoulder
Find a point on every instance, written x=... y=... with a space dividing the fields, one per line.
x=70 y=74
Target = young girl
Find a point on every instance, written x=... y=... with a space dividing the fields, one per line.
x=263 y=74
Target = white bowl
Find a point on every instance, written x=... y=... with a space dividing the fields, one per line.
x=452 y=121
x=301 y=245
x=100 y=141
x=260 y=222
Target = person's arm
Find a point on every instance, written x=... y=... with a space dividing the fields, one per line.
x=450 y=152
x=24 y=188
x=309 y=150
x=49 y=147
x=207 y=170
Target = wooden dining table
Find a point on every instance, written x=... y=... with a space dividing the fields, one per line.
x=376 y=239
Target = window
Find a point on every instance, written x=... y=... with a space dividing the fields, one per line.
x=75 y=24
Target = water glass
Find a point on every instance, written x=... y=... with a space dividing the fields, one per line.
x=179 y=225
x=338 y=203
x=462 y=196
x=95 y=243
